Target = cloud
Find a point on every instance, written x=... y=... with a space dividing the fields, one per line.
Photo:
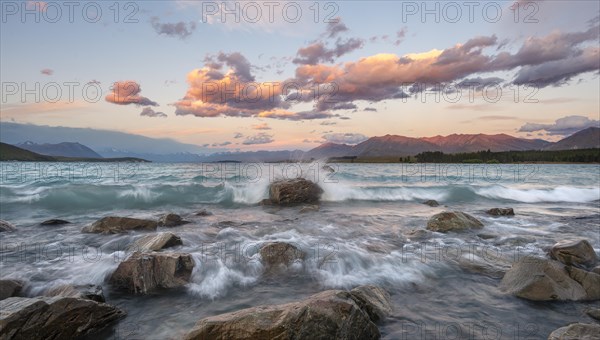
x=128 y=92
x=400 y=36
x=335 y=27
x=261 y=138
x=345 y=138
x=372 y=109
x=318 y=52
x=180 y=29
x=261 y=126
x=238 y=135
x=148 y=112
x=325 y=123
x=562 y=126
x=47 y=72
x=40 y=6
x=221 y=144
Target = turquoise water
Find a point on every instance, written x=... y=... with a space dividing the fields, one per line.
x=362 y=234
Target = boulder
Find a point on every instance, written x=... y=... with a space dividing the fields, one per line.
x=501 y=212
x=576 y=331
x=143 y=273
x=280 y=255
x=156 y=242
x=453 y=221
x=6 y=226
x=309 y=208
x=373 y=300
x=10 y=288
x=116 y=225
x=578 y=253
x=54 y=221
x=53 y=317
x=294 y=191
x=431 y=203
x=89 y=292
x=171 y=220
x=332 y=314
x=539 y=279
x=596 y=270
x=203 y=212
x=487 y=263
x=593 y=313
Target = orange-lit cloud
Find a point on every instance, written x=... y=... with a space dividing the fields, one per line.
x=128 y=92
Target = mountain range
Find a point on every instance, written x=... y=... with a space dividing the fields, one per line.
x=65 y=149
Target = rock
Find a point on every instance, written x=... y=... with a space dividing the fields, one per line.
x=501 y=212
x=171 y=220
x=10 y=288
x=486 y=236
x=516 y=241
x=596 y=270
x=373 y=300
x=327 y=168
x=594 y=313
x=539 y=279
x=487 y=263
x=576 y=331
x=578 y=253
x=203 y=212
x=294 y=191
x=143 y=273
x=116 y=225
x=453 y=221
x=156 y=242
x=418 y=234
x=6 y=226
x=309 y=208
x=54 y=221
x=431 y=203
x=53 y=317
x=332 y=314
x=280 y=255
x=89 y=292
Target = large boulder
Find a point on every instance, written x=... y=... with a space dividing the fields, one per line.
x=89 y=292
x=156 y=242
x=143 y=273
x=171 y=220
x=578 y=253
x=373 y=300
x=576 y=331
x=10 y=288
x=453 y=221
x=294 y=191
x=332 y=314
x=280 y=255
x=53 y=317
x=116 y=225
x=6 y=226
x=539 y=279
x=501 y=212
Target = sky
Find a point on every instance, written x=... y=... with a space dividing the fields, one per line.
x=280 y=75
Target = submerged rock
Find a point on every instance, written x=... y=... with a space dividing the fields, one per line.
x=309 y=208
x=203 y=212
x=431 y=203
x=171 y=220
x=332 y=314
x=578 y=253
x=143 y=273
x=487 y=263
x=156 y=242
x=6 y=226
x=327 y=168
x=280 y=255
x=10 y=288
x=453 y=221
x=53 y=317
x=116 y=225
x=576 y=331
x=54 y=221
x=594 y=313
x=501 y=212
x=294 y=191
x=90 y=292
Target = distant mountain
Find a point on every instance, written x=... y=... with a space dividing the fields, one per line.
x=471 y=143
x=65 y=149
x=392 y=145
x=584 y=139
x=180 y=157
x=12 y=153
x=255 y=156
x=330 y=150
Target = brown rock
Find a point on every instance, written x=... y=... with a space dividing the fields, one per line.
x=309 y=208
x=280 y=255
x=576 y=331
x=578 y=253
x=89 y=292
x=453 y=221
x=294 y=191
x=596 y=270
x=501 y=212
x=143 y=273
x=431 y=203
x=593 y=313
x=373 y=300
x=156 y=242
x=53 y=317
x=6 y=226
x=116 y=225
x=203 y=212
x=171 y=220
x=10 y=288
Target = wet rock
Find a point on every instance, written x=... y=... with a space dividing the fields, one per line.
x=171 y=220
x=327 y=168
x=576 y=331
x=539 y=279
x=143 y=273
x=54 y=221
x=431 y=203
x=593 y=313
x=418 y=234
x=332 y=314
x=53 y=317
x=203 y=212
x=578 y=253
x=309 y=208
x=453 y=221
x=501 y=212
x=10 y=288
x=485 y=236
x=89 y=292
x=156 y=242
x=515 y=241
x=294 y=191
x=116 y=225
x=280 y=255
x=488 y=263
x=6 y=226
x=596 y=270
x=373 y=300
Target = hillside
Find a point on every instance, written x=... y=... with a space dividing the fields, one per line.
x=64 y=149
x=12 y=153
x=584 y=139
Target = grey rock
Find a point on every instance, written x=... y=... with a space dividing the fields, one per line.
x=116 y=225
x=453 y=221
